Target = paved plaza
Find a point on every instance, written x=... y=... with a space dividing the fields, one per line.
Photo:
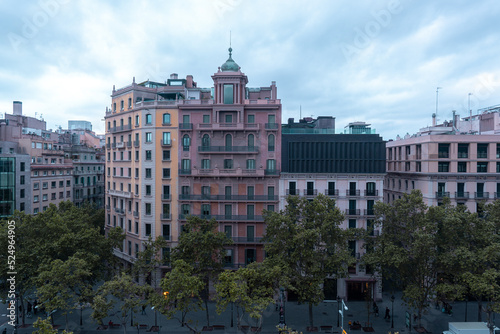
x=296 y=317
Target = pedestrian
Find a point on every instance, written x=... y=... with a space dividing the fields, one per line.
x=143 y=310
x=387 y=313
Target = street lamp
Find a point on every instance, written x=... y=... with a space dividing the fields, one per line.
x=156 y=323
x=338 y=311
x=282 y=322
x=343 y=308
x=392 y=300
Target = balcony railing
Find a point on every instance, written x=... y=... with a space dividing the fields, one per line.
x=164 y=142
x=442 y=194
x=352 y=212
x=165 y=216
x=165 y=197
x=481 y=195
x=462 y=194
x=225 y=217
x=272 y=126
x=137 y=143
x=232 y=149
x=271 y=172
x=352 y=192
x=192 y=197
x=185 y=171
x=369 y=212
x=247 y=239
x=482 y=155
x=136 y=213
x=186 y=126
x=310 y=192
x=293 y=192
x=331 y=192
x=369 y=193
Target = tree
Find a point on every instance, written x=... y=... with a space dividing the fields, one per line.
x=250 y=288
x=407 y=249
x=64 y=285
x=45 y=327
x=307 y=241
x=149 y=260
x=471 y=258
x=183 y=294
x=58 y=233
x=120 y=295
x=202 y=246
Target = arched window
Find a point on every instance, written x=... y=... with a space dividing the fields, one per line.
x=186 y=141
x=166 y=118
x=270 y=143
x=205 y=141
x=229 y=142
x=251 y=142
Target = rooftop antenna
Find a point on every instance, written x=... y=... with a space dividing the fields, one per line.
x=437 y=98
x=300 y=112
x=470 y=114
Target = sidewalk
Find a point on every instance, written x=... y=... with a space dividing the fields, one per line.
x=296 y=317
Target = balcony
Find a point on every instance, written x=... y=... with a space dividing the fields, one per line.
x=120 y=193
x=227 y=172
x=481 y=195
x=137 y=143
x=165 y=197
x=271 y=172
x=248 y=239
x=108 y=146
x=129 y=144
x=231 y=218
x=462 y=194
x=371 y=193
x=185 y=171
x=331 y=192
x=352 y=192
x=121 y=128
x=120 y=211
x=164 y=142
x=136 y=214
x=256 y=198
x=185 y=126
x=227 y=126
x=120 y=145
x=272 y=126
x=108 y=207
x=226 y=149
x=166 y=216
x=352 y=212
x=369 y=212
x=292 y=192
x=310 y=192
x=442 y=194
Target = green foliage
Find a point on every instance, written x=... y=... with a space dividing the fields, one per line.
x=250 y=288
x=64 y=284
x=307 y=241
x=45 y=327
x=120 y=295
x=184 y=289
x=150 y=259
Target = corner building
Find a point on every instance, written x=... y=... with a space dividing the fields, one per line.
x=229 y=160
x=174 y=150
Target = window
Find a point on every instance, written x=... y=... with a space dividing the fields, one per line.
x=352 y=223
x=21 y=179
x=166 y=231
x=498 y=167
x=228 y=94
x=463 y=151
x=148 y=190
x=443 y=167
x=370 y=189
x=228 y=211
x=166 y=155
x=45 y=185
x=166 y=173
x=205 y=163
x=228 y=163
x=149 y=137
x=148 y=229
x=229 y=142
x=166 y=192
x=149 y=119
x=166 y=138
x=186 y=164
x=250 y=233
x=205 y=209
x=148 y=208
x=251 y=142
x=166 y=118
x=331 y=188
x=205 y=142
x=185 y=209
x=206 y=119
x=443 y=150
x=228 y=259
x=137 y=120
x=148 y=173
x=205 y=192
x=250 y=163
x=270 y=143
x=21 y=193
x=418 y=166
x=271 y=164
x=462 y=167
x=251 y=119
x=44 y=197
x=482 y=167
x=186 y=142
x=22 y=167
x=35 y=199
x=482 y=151
x=228 y=230
x=148 y=155
x=250 y=211
x=36 y=186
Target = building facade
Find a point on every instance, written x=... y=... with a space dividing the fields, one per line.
x=459 y=159
x=174 y=149
x=349 y=168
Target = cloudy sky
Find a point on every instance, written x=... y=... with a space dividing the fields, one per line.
x=364 y=60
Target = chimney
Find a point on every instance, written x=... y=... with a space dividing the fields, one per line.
x=434 y=119
x=189 y=81
x=18 y=108
x=174 y=76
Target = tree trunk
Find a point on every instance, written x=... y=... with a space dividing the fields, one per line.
x=311 y=322
x=66 y=318
x=206 y=311
x=479 y=310
x=489 y=322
